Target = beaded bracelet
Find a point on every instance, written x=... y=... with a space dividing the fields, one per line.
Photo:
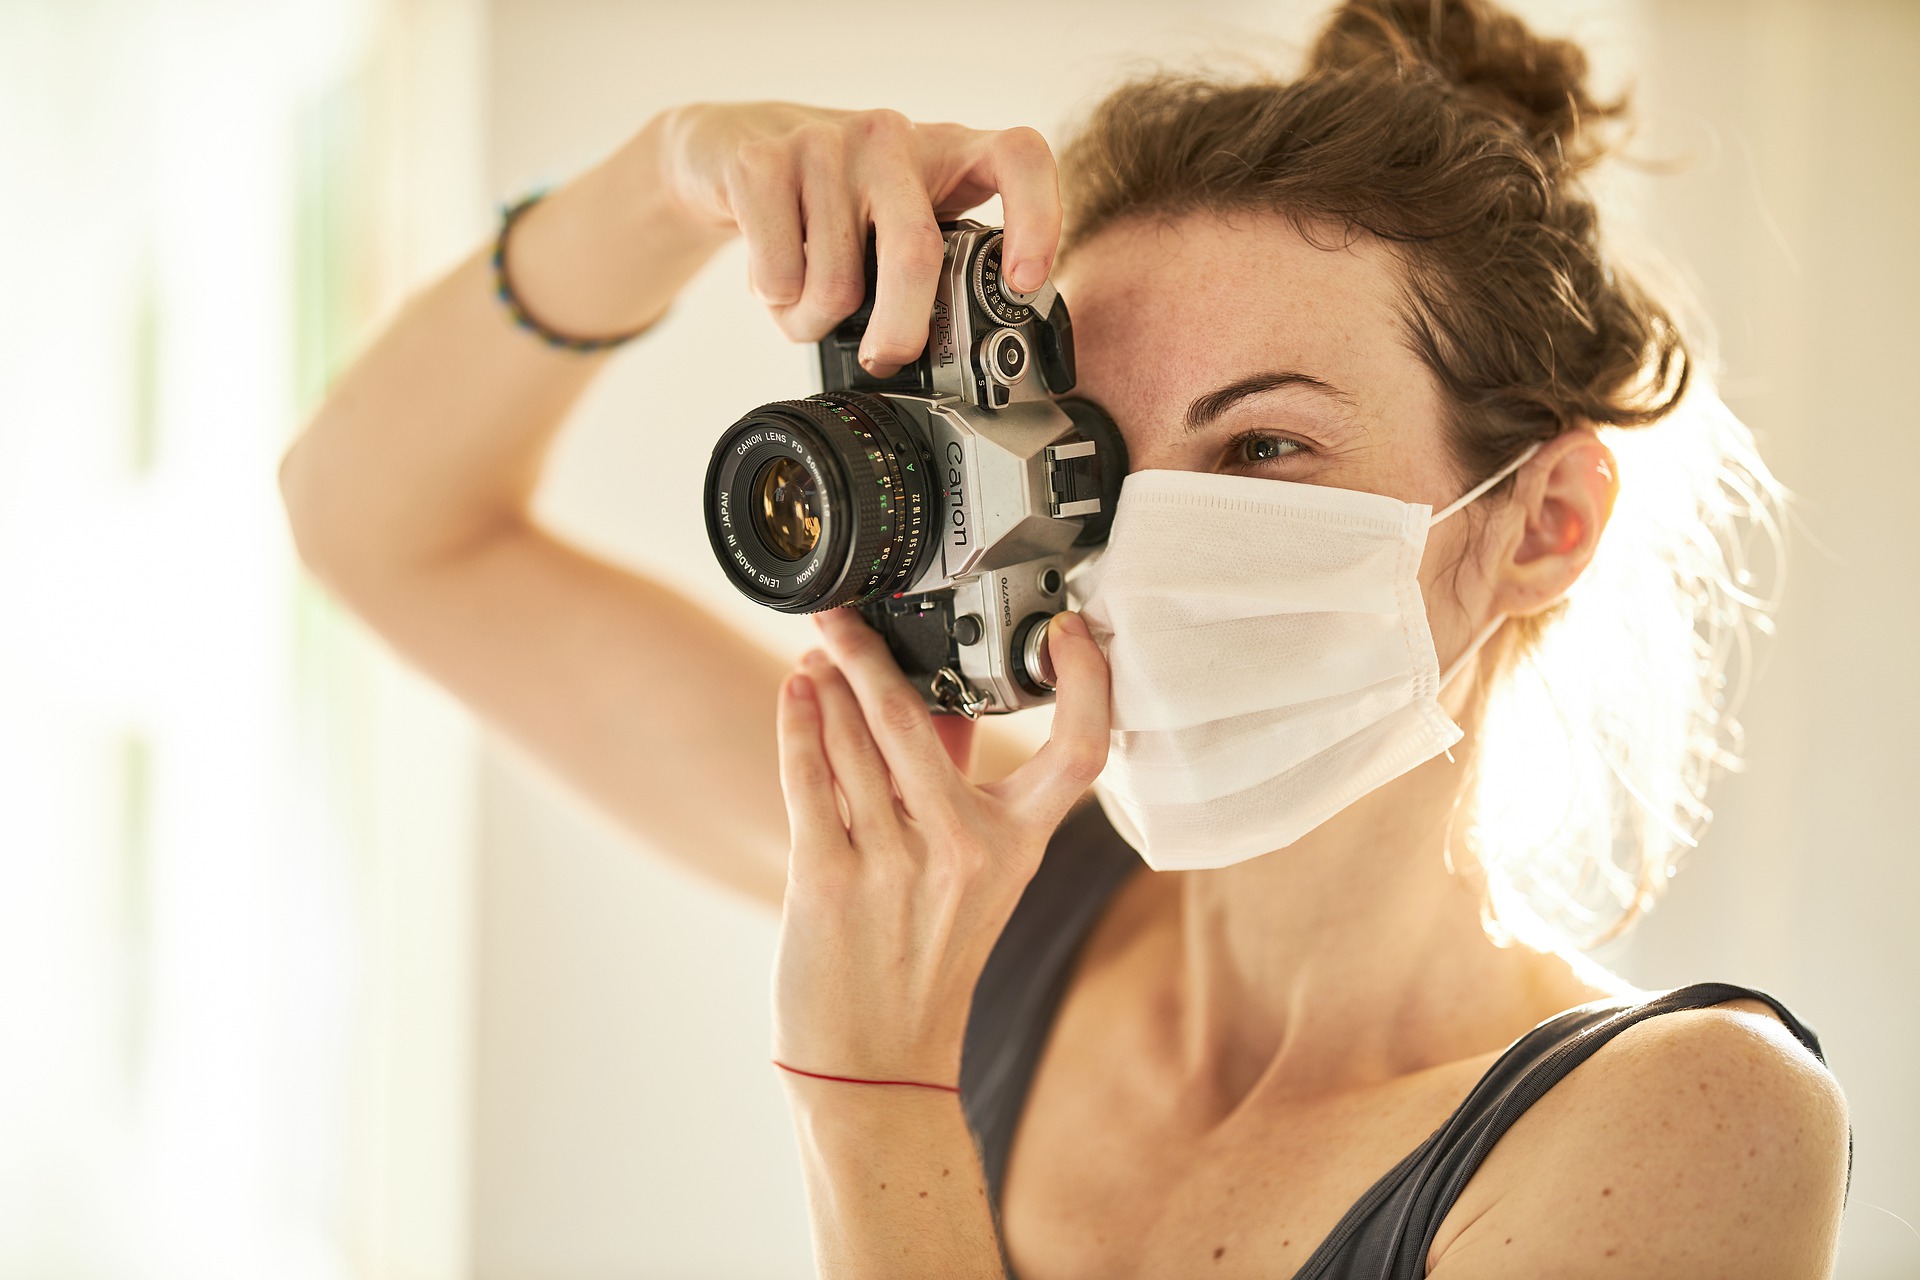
x=503 y=288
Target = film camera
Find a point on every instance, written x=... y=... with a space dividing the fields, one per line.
x=946 y=502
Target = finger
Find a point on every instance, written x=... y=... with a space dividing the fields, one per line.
x=895 y=713
x=764 y=193
x=1020 y=166
x=1076 y=750
x=835 y=244
x=911 y=249
x=813 y=813
x=851 y=754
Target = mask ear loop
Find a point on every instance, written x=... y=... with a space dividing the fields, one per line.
x=1481 y=488
x=1458 y=664
x=1485 y=633
x=1473 y=646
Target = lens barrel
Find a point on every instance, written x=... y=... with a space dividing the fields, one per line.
x=817 y=503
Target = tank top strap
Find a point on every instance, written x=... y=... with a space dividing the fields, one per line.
x=1025 y=980
x=1391 y=1230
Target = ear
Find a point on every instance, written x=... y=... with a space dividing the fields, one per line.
x=1565 y=495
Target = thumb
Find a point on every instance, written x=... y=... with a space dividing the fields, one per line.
x=1076 y=751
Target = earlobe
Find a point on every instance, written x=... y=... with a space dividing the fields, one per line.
x=1566 y=496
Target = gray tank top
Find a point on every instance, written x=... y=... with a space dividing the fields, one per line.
x=1387 y=1233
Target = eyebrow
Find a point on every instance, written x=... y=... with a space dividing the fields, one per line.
x=1203 y=411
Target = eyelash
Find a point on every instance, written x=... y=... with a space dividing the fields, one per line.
x=1237 y=446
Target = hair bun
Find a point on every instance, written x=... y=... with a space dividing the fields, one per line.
x=1489 y=55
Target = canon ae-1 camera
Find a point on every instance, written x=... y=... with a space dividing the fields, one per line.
x=946 y=502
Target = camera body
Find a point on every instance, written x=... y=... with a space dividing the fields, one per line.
x=946 y=502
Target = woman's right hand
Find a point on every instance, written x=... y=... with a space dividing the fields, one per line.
x=803 y=185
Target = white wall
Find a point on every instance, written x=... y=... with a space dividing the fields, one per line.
x=626 y=1121
x=1797 y=217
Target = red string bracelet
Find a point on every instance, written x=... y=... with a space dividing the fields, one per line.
x=918 y=1084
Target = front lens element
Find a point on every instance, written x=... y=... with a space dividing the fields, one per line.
x=785 y=513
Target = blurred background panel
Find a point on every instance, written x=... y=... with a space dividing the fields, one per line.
x=235 y=838
x=300 y=976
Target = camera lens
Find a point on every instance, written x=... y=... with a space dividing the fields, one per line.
x=817 y=503
x=784 y=513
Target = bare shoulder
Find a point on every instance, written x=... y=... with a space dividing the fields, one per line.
x=1703 y=1142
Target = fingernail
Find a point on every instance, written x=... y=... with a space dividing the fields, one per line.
x=814 y=659
x=1028 y=276
x=802 y=688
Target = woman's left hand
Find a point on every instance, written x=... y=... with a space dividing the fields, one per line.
x=899 y=884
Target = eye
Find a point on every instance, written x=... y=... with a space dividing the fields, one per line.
x=1255 y=448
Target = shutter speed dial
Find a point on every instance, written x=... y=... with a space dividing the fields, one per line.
x=995 y=294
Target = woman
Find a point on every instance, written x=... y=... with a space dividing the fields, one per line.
x=1008 y=1045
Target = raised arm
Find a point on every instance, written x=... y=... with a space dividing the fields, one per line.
x=409 y=491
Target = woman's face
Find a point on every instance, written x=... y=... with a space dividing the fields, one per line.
x=1241 y=348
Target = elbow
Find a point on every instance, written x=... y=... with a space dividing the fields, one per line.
x=304 y=501
x=322 y=527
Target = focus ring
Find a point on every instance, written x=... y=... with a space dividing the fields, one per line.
x=886 y=488
x=907 y=496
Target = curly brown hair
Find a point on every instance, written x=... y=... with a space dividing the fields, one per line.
x=1453 y=133
x=1461 y=139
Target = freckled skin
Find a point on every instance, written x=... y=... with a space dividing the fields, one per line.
x=1147 y=305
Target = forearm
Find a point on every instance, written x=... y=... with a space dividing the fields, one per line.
x=894 y=1183
x=436 y=434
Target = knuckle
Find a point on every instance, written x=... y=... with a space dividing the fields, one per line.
x=809 y=774
x=854 y=745
x=839 y=291
x=956 y=867
x=776 y=285
x=820 y=142
x=881 y=124
x=919 y=247
x=1082 y=763
x=1023 y=142
x=901 y=712
x=760 y=162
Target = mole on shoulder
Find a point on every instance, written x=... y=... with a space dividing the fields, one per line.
x=1217 y=1252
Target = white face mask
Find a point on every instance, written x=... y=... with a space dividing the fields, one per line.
x=1270 y=658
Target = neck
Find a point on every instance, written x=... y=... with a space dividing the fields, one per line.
x=1353 y=956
